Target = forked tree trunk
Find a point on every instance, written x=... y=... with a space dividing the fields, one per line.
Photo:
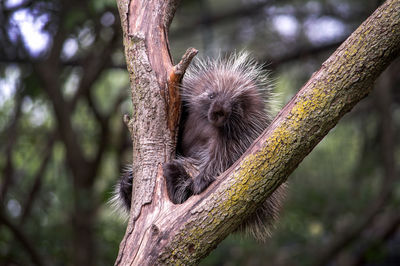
x=160 y=232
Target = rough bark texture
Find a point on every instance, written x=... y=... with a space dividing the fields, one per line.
x=160 y=232
x=156 y=106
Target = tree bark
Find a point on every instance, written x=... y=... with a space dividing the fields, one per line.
x=160 y=232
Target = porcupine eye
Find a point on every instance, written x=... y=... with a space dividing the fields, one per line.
x=211 y=95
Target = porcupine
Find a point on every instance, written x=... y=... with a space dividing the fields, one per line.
x=226 y=106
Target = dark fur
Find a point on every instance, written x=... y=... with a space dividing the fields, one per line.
x=226 y=108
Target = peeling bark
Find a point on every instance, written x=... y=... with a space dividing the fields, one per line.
x=160 y=232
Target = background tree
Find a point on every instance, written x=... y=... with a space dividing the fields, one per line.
x=63 y=142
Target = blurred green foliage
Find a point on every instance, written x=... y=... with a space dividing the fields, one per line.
x=332 y=189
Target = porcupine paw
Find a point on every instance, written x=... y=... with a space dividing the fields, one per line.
x=178 y=182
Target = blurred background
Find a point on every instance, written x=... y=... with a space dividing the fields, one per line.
x=64 y=89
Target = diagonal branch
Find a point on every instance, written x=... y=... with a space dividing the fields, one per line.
x=104 y=121
x=93 y=65
x=301 y=52
x=382 y=231
x=20 y=237
x=206 y=21
x=37 y=183
x=49 y=72
x=11 y=136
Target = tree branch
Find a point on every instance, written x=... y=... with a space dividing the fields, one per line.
x=243 y=11
x=104 y=121
x=37 y=183
x=299 y=53
x=94 y=63
x=162 y=233
x=11 y=136
x=382 y=231
x=25 y=242
x=49 y=72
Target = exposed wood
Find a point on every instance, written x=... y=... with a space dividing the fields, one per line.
x=160 y=232
x=156 y=103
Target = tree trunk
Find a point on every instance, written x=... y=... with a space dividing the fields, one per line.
x=160 y=232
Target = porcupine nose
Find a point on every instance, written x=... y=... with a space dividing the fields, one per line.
x=219 y=113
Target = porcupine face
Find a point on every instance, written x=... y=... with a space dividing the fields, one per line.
x=220 y=109
x=224 y=99
x=216 y=107
x=225 y=92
